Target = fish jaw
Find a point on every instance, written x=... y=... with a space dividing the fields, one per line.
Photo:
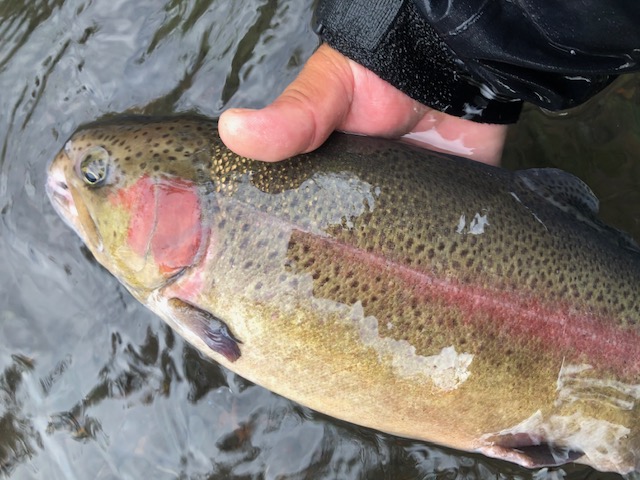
x=61 y=195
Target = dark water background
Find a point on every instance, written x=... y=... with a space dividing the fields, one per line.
x=94 y=386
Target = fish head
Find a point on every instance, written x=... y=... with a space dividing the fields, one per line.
x=135 y=193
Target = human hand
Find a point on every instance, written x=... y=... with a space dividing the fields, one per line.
x=335 y=93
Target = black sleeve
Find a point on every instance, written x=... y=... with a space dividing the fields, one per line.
x=479 y=59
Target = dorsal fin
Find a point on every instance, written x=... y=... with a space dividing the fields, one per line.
x=570 y=194
x=562 y=189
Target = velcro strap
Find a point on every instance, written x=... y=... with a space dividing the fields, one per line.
x=392 y=39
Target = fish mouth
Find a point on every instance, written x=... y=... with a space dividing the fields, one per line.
x=61 y=196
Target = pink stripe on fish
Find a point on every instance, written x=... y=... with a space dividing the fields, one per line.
x=567 y=330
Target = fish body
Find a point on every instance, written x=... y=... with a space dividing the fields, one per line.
x=422 y=295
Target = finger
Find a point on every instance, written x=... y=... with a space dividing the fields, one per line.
x=378 y=108
x=298 y=121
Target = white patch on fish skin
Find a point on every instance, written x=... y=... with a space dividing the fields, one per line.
x=447 y=369
x=343 y=196
x=475 y=227
x=575 y=384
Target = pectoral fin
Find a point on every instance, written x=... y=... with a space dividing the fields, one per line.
x=213 y=331
x=528 y=451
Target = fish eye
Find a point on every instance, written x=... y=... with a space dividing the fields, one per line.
x=94 y=166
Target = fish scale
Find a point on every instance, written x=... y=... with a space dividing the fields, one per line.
x=412 y=292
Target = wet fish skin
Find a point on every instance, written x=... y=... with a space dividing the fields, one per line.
x=422 y=295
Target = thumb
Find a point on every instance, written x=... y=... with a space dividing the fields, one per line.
x=301 y=118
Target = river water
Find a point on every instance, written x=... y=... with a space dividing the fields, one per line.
x=92 y=385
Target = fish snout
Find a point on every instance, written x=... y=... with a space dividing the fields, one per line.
x=58 y=191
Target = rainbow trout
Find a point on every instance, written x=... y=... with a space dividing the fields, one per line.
x=422 y=295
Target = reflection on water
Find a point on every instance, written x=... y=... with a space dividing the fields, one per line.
x=94 y=386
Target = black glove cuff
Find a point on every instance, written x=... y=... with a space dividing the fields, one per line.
x=404 y=50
